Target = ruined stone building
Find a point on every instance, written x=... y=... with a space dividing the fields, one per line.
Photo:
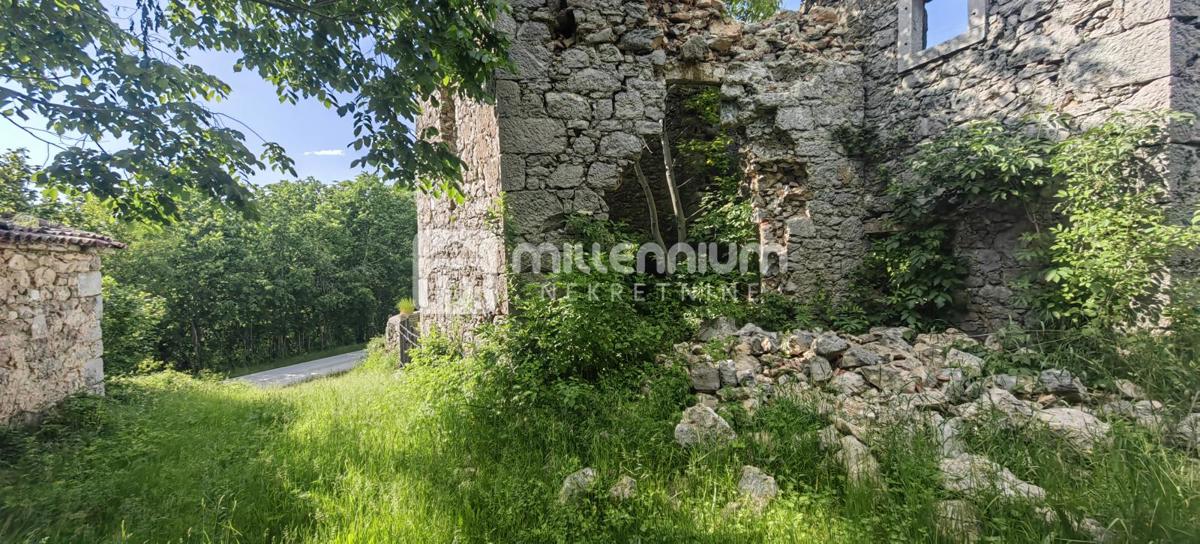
x=50 y=345
x=593 y=84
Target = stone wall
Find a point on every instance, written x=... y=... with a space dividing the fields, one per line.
x=588 y=94
x=587 y=99
x=1083 y=58
x=460 y=246
x=50 y=344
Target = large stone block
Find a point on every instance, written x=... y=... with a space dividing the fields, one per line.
x=621 y=144
x=532 y=135
x=568 y=106
x=88 y=284
x=1135 y=56
x=593 y=80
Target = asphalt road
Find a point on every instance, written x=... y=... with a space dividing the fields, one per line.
x=292 y=375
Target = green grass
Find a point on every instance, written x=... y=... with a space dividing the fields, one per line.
x=431 y=455
x=294 y=360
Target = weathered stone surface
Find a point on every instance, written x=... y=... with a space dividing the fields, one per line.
x=717 y=329
x=1060 y=382
x=577 y=484
x=592 y=80
x=797 y=342
x=995 y=400
x=848 y=383
x=829 y=345
x=700 y=424
x=819 y=369
x=757 y=486
x=620 y=144
x=971 y=365
x=50 y=311
x=1080 y=428
x=957 y=521
x=830 y=438
x=624 y=489
x=568 y=106
x=1186 y=433
x=898 y=377
x=641 y=40
x=1147 y=413
x=727 y=370
x=857 y=356
x=861 y=467
x=975 y=476
x=704 y=377
x=533 y=136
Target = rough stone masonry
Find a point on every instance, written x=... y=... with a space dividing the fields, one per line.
x=587 y=99
x=50 y=345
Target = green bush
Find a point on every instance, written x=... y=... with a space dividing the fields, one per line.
x=578 y=327
x=1104 y=259
x=1100 y=237
x=132 y=327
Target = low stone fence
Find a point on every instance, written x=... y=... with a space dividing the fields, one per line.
x=402 y=333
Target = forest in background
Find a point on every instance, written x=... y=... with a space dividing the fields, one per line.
x=310 y=267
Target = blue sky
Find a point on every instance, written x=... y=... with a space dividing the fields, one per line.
x=316 y=137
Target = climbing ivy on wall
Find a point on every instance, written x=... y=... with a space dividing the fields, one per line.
x=914 y=270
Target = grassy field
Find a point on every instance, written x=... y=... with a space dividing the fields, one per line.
x=425 y=456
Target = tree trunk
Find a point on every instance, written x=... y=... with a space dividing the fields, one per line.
x=673 y=189
x=652 y=208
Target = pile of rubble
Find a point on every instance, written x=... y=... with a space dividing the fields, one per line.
x=888 y=377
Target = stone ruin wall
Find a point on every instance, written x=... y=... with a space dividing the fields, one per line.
x=579 y=111
x=460 y=246
x=50 y=346
x=1083 y=58
x=584 y=99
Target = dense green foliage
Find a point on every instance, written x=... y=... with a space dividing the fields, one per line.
x=319 y=266
x=437 y=454
x=725 y=214
x=17 y=194
x=96 y=72
x=322 y=266
x=978 y=164
x=132 y=324
x=1104 y=259
x=1099 y=233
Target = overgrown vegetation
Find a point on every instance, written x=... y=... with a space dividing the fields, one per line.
x=1105 y=259
x=725 y=214
x=439 y=453
x=320 y=266
x=1098 y=236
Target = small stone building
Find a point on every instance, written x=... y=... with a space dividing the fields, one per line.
x=50 y=345
x=594 y=82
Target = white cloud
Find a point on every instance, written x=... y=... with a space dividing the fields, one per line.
x=326 y=153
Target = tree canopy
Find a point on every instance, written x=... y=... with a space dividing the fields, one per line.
x=753 y=10
x=96 y=74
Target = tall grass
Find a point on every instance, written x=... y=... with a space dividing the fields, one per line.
x=434 y=454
